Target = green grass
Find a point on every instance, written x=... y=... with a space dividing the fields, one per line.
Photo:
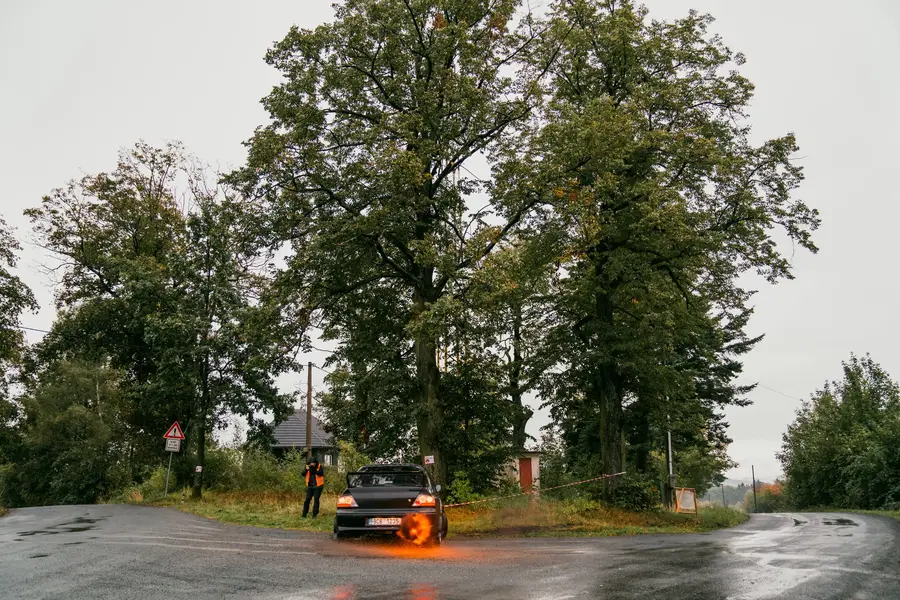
x=549 y=517
x=517 y=517
x=259 y=509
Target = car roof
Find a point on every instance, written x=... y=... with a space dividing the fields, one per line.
x=392 y=468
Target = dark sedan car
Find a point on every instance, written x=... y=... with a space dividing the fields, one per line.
x=399 y=499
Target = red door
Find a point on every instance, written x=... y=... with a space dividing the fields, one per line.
x=525 y=474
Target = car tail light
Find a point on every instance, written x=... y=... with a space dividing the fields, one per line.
x=346 y=502
x=424 y=500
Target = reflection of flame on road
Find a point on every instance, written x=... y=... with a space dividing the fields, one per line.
x=422 y=592
x=343 y=592
x=415 y=528
x=415 y=592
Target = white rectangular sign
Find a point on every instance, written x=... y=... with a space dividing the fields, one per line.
x=429 y=460
x=173 y=445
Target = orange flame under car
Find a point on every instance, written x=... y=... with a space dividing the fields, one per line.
x=415 y=528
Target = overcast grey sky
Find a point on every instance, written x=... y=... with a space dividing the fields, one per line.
x=79 y=80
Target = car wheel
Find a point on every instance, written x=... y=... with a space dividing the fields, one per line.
x=445 y=526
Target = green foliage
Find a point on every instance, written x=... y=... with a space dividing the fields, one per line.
x=555 y=467
x=15 y=298
x=351 y=458
x=73 y=438
x=720 y=517
x=460 y=489
x=624 y=203
x=635 y=493
x=379 y=110
x=166 y=296
x=152 y=489
x=657 y=202
x=841 y=451
x=701 y=468
x=769 y=499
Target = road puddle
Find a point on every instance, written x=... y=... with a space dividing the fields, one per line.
x=840 y=522
x=78 y=525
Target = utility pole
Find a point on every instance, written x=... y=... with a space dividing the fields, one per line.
x=309 y=369
x=753 y=475
x=671 y=481
x=723 y=496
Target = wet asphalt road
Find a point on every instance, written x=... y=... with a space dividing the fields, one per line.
x=127 y=552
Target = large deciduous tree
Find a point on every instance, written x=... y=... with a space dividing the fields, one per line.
x=15 y=298
x=157 y=281
x=362 y=168
x=661 y=202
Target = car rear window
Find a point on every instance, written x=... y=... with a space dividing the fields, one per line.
x=356 y=480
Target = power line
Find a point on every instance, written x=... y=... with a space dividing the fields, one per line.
x=464 y=168
x=323 y=370
x=32 y=329
x=321 y=350
x=765 y=387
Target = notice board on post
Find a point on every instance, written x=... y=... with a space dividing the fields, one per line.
x=686 y=501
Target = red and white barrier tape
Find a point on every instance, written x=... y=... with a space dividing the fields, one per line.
x=555 y=487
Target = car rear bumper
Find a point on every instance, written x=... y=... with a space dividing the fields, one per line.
x=355 y=520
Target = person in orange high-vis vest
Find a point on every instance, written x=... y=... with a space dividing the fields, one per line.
x=315 y=483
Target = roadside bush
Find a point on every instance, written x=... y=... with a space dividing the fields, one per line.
x=8 y=489
x=291 y=468
x=151 y=489
x=636 y=494
x=769 y=498
x=222 y=469
x=260 y=471
x=507 y=486
x=350 y=458
x=460 y=489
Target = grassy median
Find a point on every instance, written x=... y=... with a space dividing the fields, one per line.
x=515 y=517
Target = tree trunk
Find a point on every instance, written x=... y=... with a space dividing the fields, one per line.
x=523 y=413
x=642 y=443
x=612 y=426
x=429 y=416
x=197 y=490
x=608 y=398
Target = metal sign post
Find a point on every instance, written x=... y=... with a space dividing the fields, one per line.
x=169 y=470
x=173 y=439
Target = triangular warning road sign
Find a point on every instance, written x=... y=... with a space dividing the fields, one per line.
x=174 y=432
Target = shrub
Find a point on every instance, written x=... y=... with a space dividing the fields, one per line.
x=222 y=469
x=460 y=489
x=151 y=489
x=635 y=493
x=769 y=498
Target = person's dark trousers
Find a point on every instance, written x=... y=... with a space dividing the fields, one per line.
x=312 y=492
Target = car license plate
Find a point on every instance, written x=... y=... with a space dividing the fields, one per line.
x=384 y=521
